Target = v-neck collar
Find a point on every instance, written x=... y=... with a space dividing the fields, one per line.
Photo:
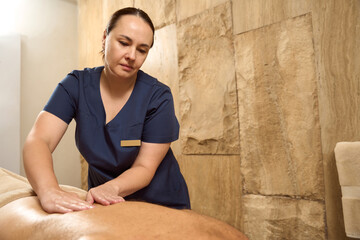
x=115 y=120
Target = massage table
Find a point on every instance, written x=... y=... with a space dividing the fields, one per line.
x=21 y=217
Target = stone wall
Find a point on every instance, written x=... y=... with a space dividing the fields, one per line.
x=263 y=90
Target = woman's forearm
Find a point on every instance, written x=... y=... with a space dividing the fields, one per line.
x=37 y=154
x=132 y=180
x=38 y=165
x=143 y=169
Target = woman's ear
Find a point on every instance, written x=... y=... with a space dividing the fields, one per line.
x=103 y=40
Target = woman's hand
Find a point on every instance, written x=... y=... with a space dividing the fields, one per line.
x=59 y=201
x=104 y=194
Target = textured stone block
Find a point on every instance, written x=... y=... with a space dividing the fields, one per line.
x=283 y=218
x=162 y=63
x=249 y=15
x=278 y=110
x=188 y=8
x=208 y=104
x=213 y=187
x=91 y=32
x=111 y=6
x=161 y=12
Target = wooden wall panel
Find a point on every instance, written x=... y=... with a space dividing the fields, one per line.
x=337 y=43
x=84 y=173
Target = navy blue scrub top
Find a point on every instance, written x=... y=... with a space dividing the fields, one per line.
x=148 y=115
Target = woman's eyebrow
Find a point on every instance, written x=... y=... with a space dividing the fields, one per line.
x=127 y=38
x=130 y=40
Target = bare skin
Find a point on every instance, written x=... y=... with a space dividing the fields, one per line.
x=25 y=219
x=126 y=48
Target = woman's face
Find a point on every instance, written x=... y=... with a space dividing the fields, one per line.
x=127 y=46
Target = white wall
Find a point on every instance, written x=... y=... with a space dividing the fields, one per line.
x=10 y=102
x=48 y=30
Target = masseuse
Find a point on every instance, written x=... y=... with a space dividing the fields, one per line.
x=125 y=122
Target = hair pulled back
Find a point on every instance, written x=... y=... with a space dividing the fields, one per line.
x=129 y=11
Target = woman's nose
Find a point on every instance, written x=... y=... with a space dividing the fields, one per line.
x=131 y=54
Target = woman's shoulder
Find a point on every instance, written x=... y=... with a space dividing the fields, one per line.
x=78 y=77
x=151 y=82
x=157 y=91
x=86 y=72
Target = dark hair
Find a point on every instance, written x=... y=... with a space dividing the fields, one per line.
x=129 y=11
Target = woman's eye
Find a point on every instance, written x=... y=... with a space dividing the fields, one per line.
x=123 y=43
x=142 y=51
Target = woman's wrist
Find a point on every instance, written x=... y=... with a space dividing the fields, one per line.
x=115 y=185
x=45 y=190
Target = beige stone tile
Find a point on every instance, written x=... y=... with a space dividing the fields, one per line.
x=249 y=15
x=111 y=6
x=208 y=105
x=161 y=12
x=90 y=33
x=282 y=218
x=162 y=63
x=188 y=8
x=214 y=186
x=278 y=110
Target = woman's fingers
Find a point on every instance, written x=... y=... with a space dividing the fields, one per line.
x=58 y=201
x=62 y=209
x=97 y=195
x=115 y=199
x=75 y=204
x=89 y=198
x=101 y=199
x=112 y=199
x=103 y=194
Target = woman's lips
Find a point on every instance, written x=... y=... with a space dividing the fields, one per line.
x=126 y=67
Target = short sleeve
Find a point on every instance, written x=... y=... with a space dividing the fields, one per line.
x=62 y=102
x=161 y=125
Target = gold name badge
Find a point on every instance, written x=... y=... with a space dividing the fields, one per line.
x=130 y=143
